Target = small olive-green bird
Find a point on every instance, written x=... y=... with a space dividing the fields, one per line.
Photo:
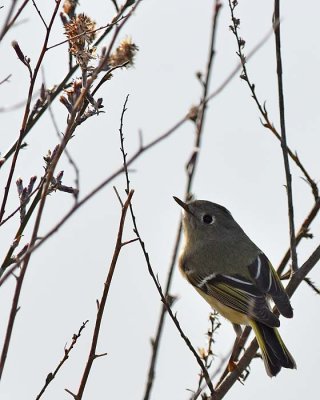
x=235 y=277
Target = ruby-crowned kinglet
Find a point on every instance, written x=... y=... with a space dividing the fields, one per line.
x=235 y=277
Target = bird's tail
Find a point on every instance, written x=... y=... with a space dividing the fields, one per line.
x=274 y=352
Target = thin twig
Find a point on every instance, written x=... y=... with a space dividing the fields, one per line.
x=214 y=374
x=102 y=302
x=302 y=233
x=63 y=83
x=9 y=273
x=178 y=124
x=216 y=92
x=262 y=108
x=98 y=188
x=142 y=149
x=115 y=5
x=118 y=196
x=27 y=111
x=6 y=79
x=9 y=23
x=207 y=354
x=73 y=121
x=304 y=228
x=171 y=314
x=235 y=71
x=67 y=351
x=284 y=146
x=309 y=282
x=303 y=271
x=150 y=269
x=68 y=155
x=39 y=13
x=20 y=206
x=191 y=172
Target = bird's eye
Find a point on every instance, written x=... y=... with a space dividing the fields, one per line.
x=207 y=219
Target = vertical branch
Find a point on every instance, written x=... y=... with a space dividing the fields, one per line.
x=284 y=147
x=164 y=299
x=33 y=77
x=102 y=303
x=14 y=306
x=191 y=168
x=9 y=22
x=73 y=121
x=266 y=122
x=67 y=350
x=8 y=258
x=200 y=118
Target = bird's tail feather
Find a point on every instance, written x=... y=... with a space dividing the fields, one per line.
x=274 y=352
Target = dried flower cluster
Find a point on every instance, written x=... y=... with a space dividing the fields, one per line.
x=56 y=182
x=80 y=32
x=73 y=93
x=124 y=53
x=193 y=113
x=24 y=194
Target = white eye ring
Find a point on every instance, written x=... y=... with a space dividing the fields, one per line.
x=208 y=219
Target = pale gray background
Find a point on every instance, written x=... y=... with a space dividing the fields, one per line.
x=240 y=166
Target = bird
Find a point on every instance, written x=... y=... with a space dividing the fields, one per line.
x=235 y=277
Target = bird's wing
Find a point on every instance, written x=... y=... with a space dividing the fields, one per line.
x=267 y=281
x=237 y=293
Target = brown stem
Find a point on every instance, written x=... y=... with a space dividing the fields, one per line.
x=102 y=302
x=64 y=82
x=191 y=172
x=284 y=146
x=27 y=110
x=67 y=351
x=262 y=109
x=8 y=23
x=73 y=122
x=302 y=233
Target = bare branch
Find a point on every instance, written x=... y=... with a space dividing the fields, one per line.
x=39 y=13
x=207 y=354
x=6 y=79
x=67 y=153
x=102 y=302
x=33 y=77
x=284 y=146
x=30 y=123
x=262 y=109
x=10 y=21
x=150 y=269
x=67 y=351
x=115 y=5
x=73 y=121
x=302 y=233
x=201 y=109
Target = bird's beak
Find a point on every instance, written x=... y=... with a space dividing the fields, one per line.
x=183 y=205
